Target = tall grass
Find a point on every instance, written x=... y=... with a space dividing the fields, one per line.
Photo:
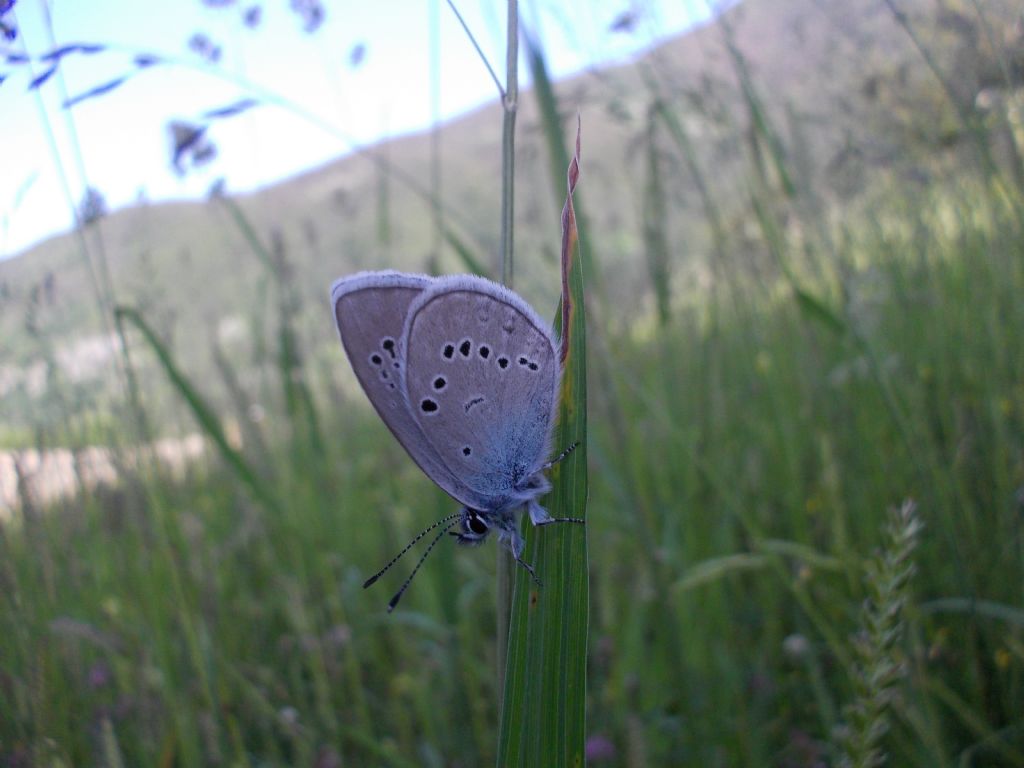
x=186 y=621
x=750 y=594
x=543 y=717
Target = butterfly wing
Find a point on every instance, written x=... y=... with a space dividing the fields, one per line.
x=370 y=310
x=481 y=379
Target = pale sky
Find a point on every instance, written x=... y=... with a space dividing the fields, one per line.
x=119 y=142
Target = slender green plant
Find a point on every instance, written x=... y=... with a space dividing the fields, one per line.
x=509 y=104
x=879 y=667
x=204 y=413
x=655 y=221
x=558 y=153
x=543 y=716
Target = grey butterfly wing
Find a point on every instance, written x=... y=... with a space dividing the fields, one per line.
x=481 y=378
x=370 y=310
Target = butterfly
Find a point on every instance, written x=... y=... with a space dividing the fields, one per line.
x=466 y=375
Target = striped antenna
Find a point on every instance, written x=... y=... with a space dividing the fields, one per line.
x=408 y=581
x=411 y=544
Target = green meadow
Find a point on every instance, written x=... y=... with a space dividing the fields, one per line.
x=804 y=436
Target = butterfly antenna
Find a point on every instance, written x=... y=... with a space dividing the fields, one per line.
x=560 y=456
x=408 y=581
x=411 y=544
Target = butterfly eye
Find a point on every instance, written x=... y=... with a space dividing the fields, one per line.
x=477 y=525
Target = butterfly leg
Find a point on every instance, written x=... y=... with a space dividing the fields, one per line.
x=560 y=456
x=539 y=516
x=529 y=570
x=550 y=520
x=515 y=543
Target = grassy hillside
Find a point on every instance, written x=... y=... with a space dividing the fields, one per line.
x=806 y=431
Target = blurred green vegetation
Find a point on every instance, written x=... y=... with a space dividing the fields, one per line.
x=787 y=342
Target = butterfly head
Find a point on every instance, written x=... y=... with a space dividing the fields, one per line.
x=474 y=527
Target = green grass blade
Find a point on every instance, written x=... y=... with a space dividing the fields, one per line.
x=557 y=152
x=716 y=568
x=543 y=715
x=203 y=413
x=248 y=230
x=761 y=123
x=655 y=225
x=816 y=309
x=988 y=609
x=465 y=253
x=302 y=413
